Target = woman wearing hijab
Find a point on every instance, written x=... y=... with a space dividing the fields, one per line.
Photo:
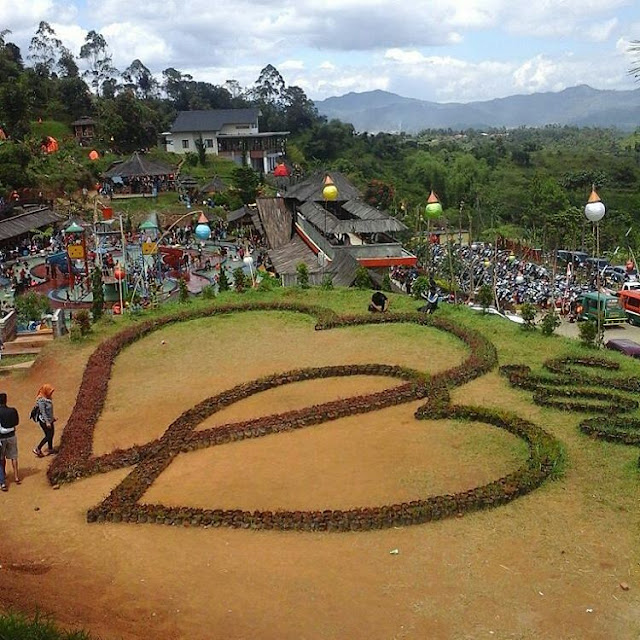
x=45 y=419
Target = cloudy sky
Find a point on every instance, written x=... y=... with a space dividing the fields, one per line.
x=439 y=50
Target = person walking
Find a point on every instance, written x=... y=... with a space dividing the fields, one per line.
x=46 y=420
x=9 y=420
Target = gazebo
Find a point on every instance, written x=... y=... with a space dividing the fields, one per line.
x=139 y=176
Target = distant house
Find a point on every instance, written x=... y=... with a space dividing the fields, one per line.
x=84 y=129
x=229 y=133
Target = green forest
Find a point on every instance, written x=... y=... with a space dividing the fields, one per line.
x=530 y=184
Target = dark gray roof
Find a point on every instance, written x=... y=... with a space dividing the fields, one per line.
x=139 y=165
x=378 y=221
x=82 y=121
x=342 y=268
x=214 y=185
x=277 y=221
x=311 y=188
x=24 y=222
x=367 y=219
x=213 y=119
x=234 y=216
x=286 y=258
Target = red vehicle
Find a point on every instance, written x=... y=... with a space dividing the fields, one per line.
x=630 y=302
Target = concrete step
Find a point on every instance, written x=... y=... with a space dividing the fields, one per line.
x=12 y=349
x=19 y=365
x=38 y=341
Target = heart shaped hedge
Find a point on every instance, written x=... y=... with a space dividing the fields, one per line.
x=75 y=461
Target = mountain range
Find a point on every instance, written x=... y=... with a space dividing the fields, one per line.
x=580 y=106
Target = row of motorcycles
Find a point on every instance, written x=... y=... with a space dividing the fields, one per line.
x=516 y=281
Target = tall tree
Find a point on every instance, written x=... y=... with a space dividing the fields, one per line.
x=45 y=49
x=67 y=67
x=95 y=53
x=300 y=111
x=269 y=87
x=175 y=85
x=14 y=96
x=139 y=79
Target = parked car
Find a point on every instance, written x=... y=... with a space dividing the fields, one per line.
x=576 y=257
x=630 y=286
x=623 y=345
x=596 y=263
x=613 y=274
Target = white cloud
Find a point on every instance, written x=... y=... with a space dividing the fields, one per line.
x=290 y=65
x=357 y=45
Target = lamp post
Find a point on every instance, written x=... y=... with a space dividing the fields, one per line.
x=248 y=260
x=594 y=212
x=432 y=210
x=330 y=194
x=119 y=274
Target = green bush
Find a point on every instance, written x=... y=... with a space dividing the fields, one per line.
x=420 y=285
x=208 y=292
x=327 y=282
x=98 y=294
x=239 y=280
x=550 y=322
x=183 y=291
x=223 y=281
x=82 y=320
x=17 y=627
x=485 y=297
x=362 y=279
x=588 y=333
x=268 y=282
x=528 y=311
x=386 y=283
x=31 y=306
x=75 y=333
x=302 y=272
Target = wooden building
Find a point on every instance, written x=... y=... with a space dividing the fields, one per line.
x=84 y=130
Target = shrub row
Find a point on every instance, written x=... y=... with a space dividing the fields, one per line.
x=151 y=459
x=557 y=392
x=545 y=455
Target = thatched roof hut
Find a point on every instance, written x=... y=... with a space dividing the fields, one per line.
x=138 y=166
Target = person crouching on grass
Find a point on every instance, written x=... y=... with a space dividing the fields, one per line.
x=45 y=419
x=379 y=302
x=9 y=420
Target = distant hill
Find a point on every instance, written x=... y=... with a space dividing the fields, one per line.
x=580 y=106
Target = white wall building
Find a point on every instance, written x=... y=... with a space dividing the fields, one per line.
x=229 y=133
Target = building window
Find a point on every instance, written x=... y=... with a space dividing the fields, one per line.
x=185 y=144
x=208 y=143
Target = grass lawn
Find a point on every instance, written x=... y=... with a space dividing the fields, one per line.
x=548 y=565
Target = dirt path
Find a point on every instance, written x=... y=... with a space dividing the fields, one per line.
x=547 y=566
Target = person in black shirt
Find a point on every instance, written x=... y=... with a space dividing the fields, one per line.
x=379 y=302
x=9 y=420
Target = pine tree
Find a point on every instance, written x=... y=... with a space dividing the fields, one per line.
x=223 y=281
x=97 y=293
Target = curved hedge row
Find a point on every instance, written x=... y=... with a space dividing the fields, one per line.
x=560 y=392
x=122 y=504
